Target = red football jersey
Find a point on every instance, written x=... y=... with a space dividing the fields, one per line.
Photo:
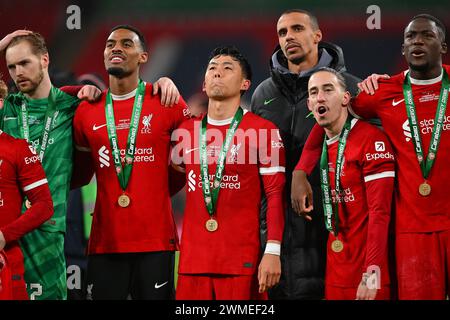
x=21 y=173
x=147 y=223
x=255 y=165
x=368 y=160
x=414 y=213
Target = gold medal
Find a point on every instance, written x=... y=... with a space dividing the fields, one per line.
x=424 y=189
x=337 y=246
x=124 y=201
x=211 y=225
x=27 y=204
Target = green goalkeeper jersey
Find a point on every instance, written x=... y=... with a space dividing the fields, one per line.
x=57 y=160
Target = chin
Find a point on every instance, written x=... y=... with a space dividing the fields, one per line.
x=297 y=59
x=116 y=72
x=417 y=66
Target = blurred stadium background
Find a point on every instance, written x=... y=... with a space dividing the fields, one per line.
x=180 y=36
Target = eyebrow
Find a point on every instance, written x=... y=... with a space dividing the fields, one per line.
x=224 y=63
x=326 y=85
x=121 y=40
x=18 y=62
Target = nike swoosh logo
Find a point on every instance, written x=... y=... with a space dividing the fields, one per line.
x=94 y=127
x=190 y=150
x=394 y=103
x=266 y=102
x=157 y=286
x=9 y=118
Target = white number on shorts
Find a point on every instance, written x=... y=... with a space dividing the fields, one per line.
x=37 y=292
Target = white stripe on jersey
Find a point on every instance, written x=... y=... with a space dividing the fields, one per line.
x=385 y=174
x=83 y=149
x=271 y=170
x=35 y=185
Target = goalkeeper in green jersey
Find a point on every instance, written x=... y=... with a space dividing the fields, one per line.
x=42 y=114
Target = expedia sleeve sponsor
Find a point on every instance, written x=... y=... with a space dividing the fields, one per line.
x=379 y=155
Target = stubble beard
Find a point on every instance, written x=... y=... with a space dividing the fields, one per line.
x=35 y=83
x=118 y=72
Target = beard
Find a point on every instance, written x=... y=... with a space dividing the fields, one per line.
x=118 y=72
x=419 y=67
x=297 y=60
x=34 y=83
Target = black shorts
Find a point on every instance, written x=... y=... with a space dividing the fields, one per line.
x=142 y=275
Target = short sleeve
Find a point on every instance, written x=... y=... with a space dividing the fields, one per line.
x=81 y=142
x=29 y=168
x=377 y=157
x=271 y=150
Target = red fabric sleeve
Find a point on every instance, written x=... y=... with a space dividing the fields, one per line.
x=182 y=113
x=83 y=166
x=378 y=164
x=83 y=169
x=177 y=180
x=379 y=198
x=312 y=150
x=274 y=188
x=32 y=181
x=365 y=105
x=272 y=171
x=71 y=90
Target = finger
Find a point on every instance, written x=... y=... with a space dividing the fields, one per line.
x=95 y=94
x=310 y=201
x=170 y=98
x=259 y=274
x=163 y=96
x=364 y=87
x=270 y=281
x=80 y=94
x=20 y=33
x=360 y=87
x=262 y=282
x=174 y=97
x=155 y=88
x=374 y=81
x=370 y=87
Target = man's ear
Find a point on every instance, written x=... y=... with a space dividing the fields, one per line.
x=308 y=102
x=246 y=84
x=346 y=99
x=317 y=36
x=45 y=60
x=444 y=48
x=403 y=49
x=143 y=57
x=204 y=86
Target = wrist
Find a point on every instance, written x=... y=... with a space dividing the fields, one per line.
x=299 y=173
x=273 y=248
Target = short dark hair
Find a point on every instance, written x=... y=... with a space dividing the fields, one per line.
x=339 y=76
x=233 y=52
x=440 y=26
x=36 y=41
x=136 y=31
x=312 y=17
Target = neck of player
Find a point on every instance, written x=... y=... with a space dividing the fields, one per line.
x=222 y=110
x=309 y=62
x=43 y=90
x=429 y=73
x=335 y=128
x=121 y=86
